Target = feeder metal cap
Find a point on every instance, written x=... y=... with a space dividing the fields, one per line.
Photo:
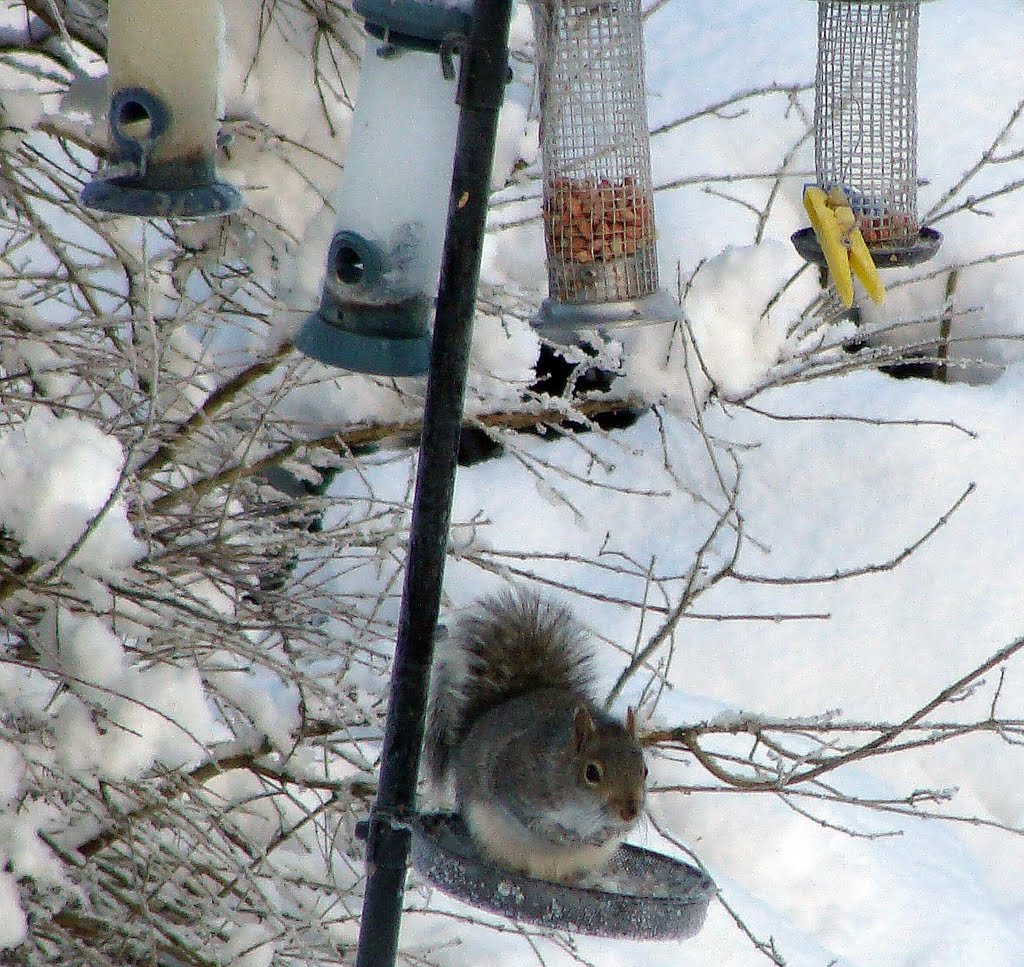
x=560 y=319
x=426 y=21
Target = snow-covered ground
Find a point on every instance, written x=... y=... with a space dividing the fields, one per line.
x=822 y=496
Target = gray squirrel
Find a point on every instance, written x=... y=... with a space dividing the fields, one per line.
x=546 y=782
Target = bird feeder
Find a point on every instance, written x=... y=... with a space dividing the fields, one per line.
x=392 y=203
x=865 y=128
x=598 y=202
x=640 y=895
x=164 y=62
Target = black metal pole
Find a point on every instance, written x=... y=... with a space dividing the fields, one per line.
x=483 y=73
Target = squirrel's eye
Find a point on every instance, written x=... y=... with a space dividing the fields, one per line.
x=646 y=772
x=594 y=773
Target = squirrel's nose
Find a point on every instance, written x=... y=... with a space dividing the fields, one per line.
x=628 y=812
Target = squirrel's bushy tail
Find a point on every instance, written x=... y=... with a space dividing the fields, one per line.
x=507 y=644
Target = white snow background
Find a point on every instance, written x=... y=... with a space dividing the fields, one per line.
x=877 y=469
x=821 y=496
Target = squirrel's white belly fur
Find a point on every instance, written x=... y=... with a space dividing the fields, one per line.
x=511 y=844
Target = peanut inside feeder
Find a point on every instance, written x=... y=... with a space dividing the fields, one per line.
x=596 y=222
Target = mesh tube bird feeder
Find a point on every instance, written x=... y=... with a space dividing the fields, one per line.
x=865 y=127
x=595 y=149
x=165 y=61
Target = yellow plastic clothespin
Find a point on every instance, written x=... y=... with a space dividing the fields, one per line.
x=846 y=252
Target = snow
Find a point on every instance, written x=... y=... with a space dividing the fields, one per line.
x=839 y=474
x=823 y=496
x=740 y=338
x=58 y=474
x=13 y=925
x=142 y=714
x=249 y=946
x=818 y=495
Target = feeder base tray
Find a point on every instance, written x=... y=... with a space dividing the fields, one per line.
x=557 y=318
x=641 y=894
x=891 y=257
x=363 y=352
x=127 y=196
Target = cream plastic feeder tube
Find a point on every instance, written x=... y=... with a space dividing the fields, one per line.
x=164 y=61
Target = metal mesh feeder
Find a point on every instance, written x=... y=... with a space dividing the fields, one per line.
x=865 y=126
x=595 y=148
x=164 y=71
x=641 y=895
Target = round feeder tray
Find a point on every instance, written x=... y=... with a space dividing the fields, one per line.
x=132 y=196
x=557 y=319
x=641 y=894
x=921 y=250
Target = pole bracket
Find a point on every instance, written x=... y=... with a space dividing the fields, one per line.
x=380 y=831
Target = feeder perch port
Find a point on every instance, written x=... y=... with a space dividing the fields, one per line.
x=641 y=895
x=164 y=61
x=598 y=202
x=383 y=263
x=865 y=126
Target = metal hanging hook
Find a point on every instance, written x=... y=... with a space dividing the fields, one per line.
x=452 y=44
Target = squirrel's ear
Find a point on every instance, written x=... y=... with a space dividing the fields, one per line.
x=583 y=726
x=631 y=721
